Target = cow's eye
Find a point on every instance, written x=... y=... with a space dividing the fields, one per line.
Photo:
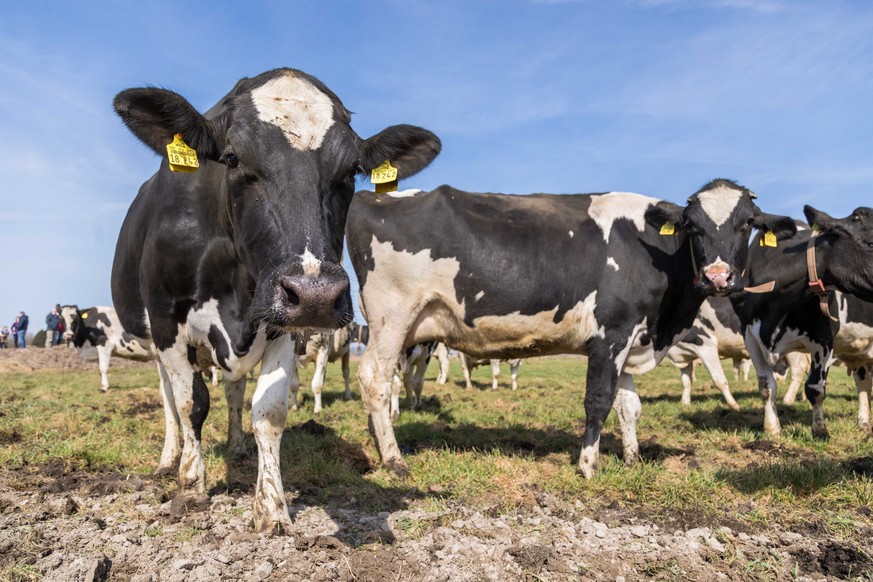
x=869 y=243
x=231 y=161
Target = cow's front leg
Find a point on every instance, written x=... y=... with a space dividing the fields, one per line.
x=514 y=367
x=269 y=413
x=600 y=386
x=172 y=451
x=713 y=366
x=495 y=374
x=375 y=375
x=466 y=367
x=815 y=390
x=192 y=404
x=685 y=377
x=104 y=356
x=628 y=408
x=863 y=384
x=235 y=392
x=294 y=387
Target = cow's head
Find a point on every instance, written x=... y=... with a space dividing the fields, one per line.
x=848 y=263
x=71 y=316
x=718 y=220
x=279 y=154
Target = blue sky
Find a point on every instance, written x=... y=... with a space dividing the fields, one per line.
x=649 y=96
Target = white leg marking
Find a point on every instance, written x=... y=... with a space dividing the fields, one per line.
x=172 y=451
x=628 y=407
x=104 y=355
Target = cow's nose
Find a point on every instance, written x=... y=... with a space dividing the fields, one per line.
x=323 y=301
x=720 y=277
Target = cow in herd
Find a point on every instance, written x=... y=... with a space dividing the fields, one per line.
x=233 y=259
x=501 y=276
x=224 y=265
x=469 y=363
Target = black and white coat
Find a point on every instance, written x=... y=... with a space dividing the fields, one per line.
x=499 y=276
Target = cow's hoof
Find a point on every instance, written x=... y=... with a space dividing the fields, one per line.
x=237 y=450
x=587 y=471
x=734 y=406
x=270 y=525
x=684 y=402
x=788 y=400
x=821 y=433
x=185 y=503
x=104 y=389
x=631 y=459
x=398 y=467
x=395 y=416
x=166 y=471
x=865 y=426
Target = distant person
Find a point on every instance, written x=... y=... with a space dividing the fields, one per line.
x=14 y=331
x=23 y=321
x=52 y=322
x=59 y=338
x=4 y=337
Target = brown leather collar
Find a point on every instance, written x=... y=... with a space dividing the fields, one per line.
x=816 y=285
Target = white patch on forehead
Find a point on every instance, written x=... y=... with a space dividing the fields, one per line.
x=311 y=265
x=611 y=262
x=607 y=208
x=719 y=203
x=294 y=105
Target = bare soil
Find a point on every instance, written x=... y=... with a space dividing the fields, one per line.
x=77 y=522
x=56 y=358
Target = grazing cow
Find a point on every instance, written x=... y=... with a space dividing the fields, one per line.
x=96 y=333
x=469 y=363
x=619 y=277
x=222 y=266
x=323 y=348
x=853 y=346
x=798 y=314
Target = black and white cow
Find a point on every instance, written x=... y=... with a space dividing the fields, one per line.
x=411 y=368
x=223 y=265
x=853 y=347
x=323 y=348
x=790 y=317
x=501 y=276
x=469 y=363
x=96 y=333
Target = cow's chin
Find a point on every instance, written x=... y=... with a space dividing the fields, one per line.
x=707 y=289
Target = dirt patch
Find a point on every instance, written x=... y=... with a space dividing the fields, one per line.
x=56 y=358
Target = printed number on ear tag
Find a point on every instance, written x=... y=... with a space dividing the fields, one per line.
x=669 y=229
x=384 y=177
x=769 y=239
x=182 y=158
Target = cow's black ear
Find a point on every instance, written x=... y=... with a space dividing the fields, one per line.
x=824 y=222
x=156 y=115
x=410 y=149
x=663 y=213
x=783 y=227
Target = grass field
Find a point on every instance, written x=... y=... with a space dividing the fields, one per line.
x=703 y=464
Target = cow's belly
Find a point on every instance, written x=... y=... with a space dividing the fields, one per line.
x=514 y=335
x=854 y=344
x=732 y=345
x=134 y=349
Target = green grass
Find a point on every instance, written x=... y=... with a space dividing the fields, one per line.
x=499 y=451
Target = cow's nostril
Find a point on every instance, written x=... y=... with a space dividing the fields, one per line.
x=340 y=302
x=293 y=298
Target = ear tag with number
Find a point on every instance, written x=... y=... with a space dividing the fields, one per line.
x=384 y=177
x=669 y=229
x=182 y=158
x=768 y=240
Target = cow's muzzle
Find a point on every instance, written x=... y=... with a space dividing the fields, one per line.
x=319 y=300
x=721 y=279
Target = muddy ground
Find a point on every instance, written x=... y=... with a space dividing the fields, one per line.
x=63 y=522
x=56 y=358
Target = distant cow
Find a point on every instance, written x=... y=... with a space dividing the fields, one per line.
x=96 y=333
x=323 y=348
x=411 y=368
x=619 y=277
x=838 y=254
x=469 y=363
x=221 y=266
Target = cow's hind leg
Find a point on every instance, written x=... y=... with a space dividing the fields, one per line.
x=172 y=451
x=514 y=366
x=269 y=414
x=495 y=374
x=600 y=387
x=685 y=376
x=815 y=390
x=628 y=408
x=465 y=368
x=713 y=365
x=235 y=392
x=318 y=376
x=442 y=354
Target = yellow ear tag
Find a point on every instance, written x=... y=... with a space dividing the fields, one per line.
x=84 y=316
x=182 y=158
x=669 y=229
x=384 y=177
x=768 y=240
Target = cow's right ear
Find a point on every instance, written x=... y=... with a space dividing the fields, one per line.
x=154 y=116
x=784 y=227
x=408 y=148
x=665 y=213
